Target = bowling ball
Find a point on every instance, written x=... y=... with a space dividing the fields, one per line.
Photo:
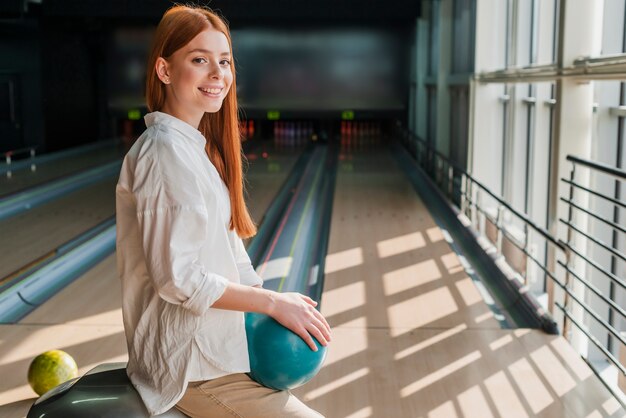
x=50 y=369
x=279 y=358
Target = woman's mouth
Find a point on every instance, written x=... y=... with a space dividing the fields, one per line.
x=211 y=92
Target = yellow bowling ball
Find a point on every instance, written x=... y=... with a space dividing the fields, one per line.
x=50 y=369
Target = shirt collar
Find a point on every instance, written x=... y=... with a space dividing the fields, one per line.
x=186 y=129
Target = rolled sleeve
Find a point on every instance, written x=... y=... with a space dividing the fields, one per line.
x=205 y=295
x=174 y=226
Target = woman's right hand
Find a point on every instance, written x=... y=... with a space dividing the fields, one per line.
x=297 y=312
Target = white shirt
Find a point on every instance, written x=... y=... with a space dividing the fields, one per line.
x=175 y=257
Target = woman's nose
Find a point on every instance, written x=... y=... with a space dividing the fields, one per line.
x=216 y=71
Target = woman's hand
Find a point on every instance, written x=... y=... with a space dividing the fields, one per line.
x=297 y=312
x=293 y=310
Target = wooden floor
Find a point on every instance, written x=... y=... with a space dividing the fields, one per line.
x=411 y=334
x=34 y=233
x=85 y=319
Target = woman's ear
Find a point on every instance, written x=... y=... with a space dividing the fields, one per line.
x=162 y=70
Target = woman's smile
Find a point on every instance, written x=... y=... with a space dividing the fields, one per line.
x=211 y=92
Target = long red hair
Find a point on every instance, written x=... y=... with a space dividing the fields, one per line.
x=179 y=25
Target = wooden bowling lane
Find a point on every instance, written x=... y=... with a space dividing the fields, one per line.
x=412 y=336
x=268 y=168
x=23 y=178
x=35 y=232
x=88 y=345
x=85 y=318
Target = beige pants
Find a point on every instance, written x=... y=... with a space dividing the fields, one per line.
x=236 y=395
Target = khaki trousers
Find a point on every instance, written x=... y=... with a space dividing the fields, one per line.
x=236 y=395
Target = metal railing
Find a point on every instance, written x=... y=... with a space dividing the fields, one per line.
x=612 y=306
x=468 y=194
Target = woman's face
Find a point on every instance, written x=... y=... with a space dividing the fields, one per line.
x=198 y=76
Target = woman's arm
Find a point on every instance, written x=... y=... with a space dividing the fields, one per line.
x=293 y=310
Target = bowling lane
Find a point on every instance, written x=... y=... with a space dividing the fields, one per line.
x=269 y=166
x=36 y=232
x=412 y=336
x=85 y=319
x=99 y=301
x=24 y=178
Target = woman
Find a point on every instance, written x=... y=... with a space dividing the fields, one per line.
x=186 y=276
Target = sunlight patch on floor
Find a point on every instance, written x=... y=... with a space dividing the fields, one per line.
x=440 y=374
x=611 y=406
x=483 y=317
x=31 y=345
x=504 y=396
x=112 y=317
x=409 y=277
x=566 y=352
x=531 y=386
x=445 y=410
x=434 y=234
x=336 y=384
x=362 y=413
x=473 y=403
x=451 y=262
x=358 y=342
x=344 y=298
x=553 y=372
x=420 y=310
x=400 y=244
x=343 y=260
x=430 y=341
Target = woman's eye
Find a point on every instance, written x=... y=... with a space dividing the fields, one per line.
x=226 y=61
x=199 y=60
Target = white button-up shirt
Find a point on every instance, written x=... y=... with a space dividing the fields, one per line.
x=175 y=257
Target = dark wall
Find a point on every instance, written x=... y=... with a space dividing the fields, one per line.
x=316 y=69
x=246 y=12
x=73 y=62
x=21 y=118
x=61 y=59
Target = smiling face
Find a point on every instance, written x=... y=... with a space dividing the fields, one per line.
x=198 y=77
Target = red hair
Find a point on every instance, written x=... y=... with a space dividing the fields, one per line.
x=179 y=25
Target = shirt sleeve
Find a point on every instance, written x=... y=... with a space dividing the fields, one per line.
x=247 y=274
x=174 y=225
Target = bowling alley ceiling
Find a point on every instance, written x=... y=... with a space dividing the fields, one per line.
x=236 y=11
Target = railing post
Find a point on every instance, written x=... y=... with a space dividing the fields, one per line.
x=463 y=194
x=621 y=378
x=450 y=182
x=499 y=215
x=474 y=210
x=431 y=163
x=568 y=257
x=476 y=213
x=526 y=252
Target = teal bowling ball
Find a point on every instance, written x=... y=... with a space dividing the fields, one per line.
x=279 y=358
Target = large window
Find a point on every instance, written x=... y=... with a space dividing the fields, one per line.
x=544 y=119
x=548 y=85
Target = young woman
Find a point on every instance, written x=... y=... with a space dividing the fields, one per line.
x=186 y=276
